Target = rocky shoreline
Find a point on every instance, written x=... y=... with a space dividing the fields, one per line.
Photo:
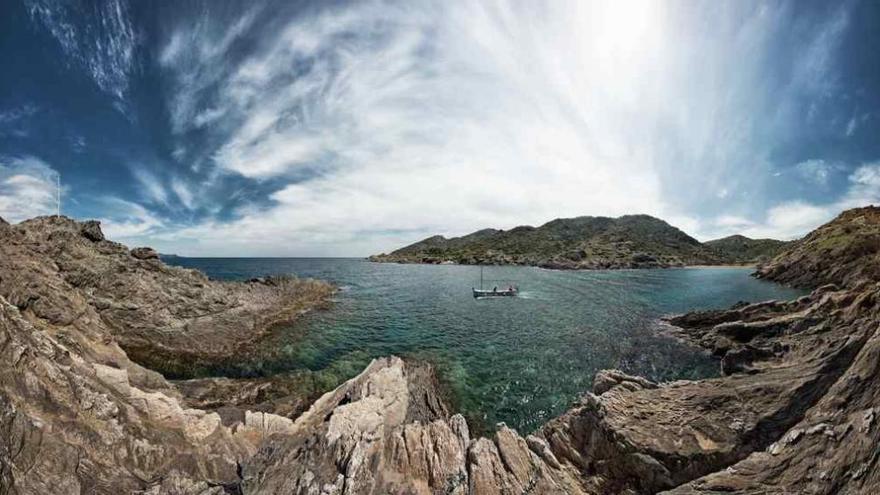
x=793 y=412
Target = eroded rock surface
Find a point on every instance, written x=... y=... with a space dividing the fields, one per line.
x=795 y=409
x=169 y=318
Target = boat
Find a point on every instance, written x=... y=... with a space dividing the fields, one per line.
x=510 y=291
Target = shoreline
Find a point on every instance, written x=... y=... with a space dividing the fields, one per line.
x=752 y=266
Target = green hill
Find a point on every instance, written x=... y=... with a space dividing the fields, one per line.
x=844 y=251
x=741 y=249
x=631 y=241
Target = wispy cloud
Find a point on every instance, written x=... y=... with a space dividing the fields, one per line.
x=129 y=220
x=151 y=188
x=97 y=36
x=13 y=120
x=183 y=192
x=817 y=171
x=28 y=188
x=378 y=122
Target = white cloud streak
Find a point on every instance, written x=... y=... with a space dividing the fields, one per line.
x=151 y=187
x=98 y=36
x=130 y=221
x=27 y=188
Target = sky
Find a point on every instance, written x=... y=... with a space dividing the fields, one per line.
x=327 y=128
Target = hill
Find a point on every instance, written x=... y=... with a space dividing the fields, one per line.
x=630 y=241
x=844 y=252
x=741 y=249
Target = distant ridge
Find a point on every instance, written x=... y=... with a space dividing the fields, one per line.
x=630 y=241
x=741 y=249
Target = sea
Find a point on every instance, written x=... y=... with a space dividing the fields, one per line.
x=518 y=360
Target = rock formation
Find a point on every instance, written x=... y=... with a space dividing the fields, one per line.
x=794 y=411
x=840 y=252
x=166 y=317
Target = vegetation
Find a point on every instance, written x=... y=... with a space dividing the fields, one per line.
x=741 y=249
x=631 y=241
x=844 y=251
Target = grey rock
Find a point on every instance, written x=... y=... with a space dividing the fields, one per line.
x=91 y=230
x=145 y=253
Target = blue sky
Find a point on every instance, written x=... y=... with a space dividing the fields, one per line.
x=349 y=128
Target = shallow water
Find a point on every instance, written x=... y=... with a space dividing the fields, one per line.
x=519 y=360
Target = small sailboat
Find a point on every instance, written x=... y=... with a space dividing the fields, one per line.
x=509 y=291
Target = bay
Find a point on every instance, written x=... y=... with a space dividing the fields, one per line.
x=519 y=360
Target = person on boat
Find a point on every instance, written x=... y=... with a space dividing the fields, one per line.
x=495 y=289
x=510 y=288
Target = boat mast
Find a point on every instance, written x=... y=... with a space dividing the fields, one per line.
x=57 y=194
x=481 y=277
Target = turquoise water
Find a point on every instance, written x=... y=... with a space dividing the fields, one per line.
x=519 y=360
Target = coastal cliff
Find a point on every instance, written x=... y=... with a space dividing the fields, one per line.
x=630 y=241
x=794 y=410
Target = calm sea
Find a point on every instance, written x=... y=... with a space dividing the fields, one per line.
x=519 y=360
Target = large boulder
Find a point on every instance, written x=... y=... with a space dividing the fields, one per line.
x=91 y=230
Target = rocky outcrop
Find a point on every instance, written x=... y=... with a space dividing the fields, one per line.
x=387 y=431
x=168 y=318
x=98 y=423
x=76 y=414
x=842 y=252
x=794 y=411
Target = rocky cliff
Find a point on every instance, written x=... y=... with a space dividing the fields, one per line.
x=631 y=241
x=794 y=410
x=843 y=252
x=77 y=415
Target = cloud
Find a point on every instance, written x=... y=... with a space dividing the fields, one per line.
x=151 y=187
x=864 y=186
x=182 y=190
x=13 y=120
x=195 y=54
x=793 y=219
x=27 y=188
x=129 y=221
x=375 y=123
x=816 y=171
x=97 y=36
x=851 y=126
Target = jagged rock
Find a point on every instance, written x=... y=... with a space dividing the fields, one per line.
x=795 y=411
x=145 y=253
x=168 y=318
x=68 y=425
x=91 y=230
x=76 y=414
x=740 y=359
x=605 y=380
